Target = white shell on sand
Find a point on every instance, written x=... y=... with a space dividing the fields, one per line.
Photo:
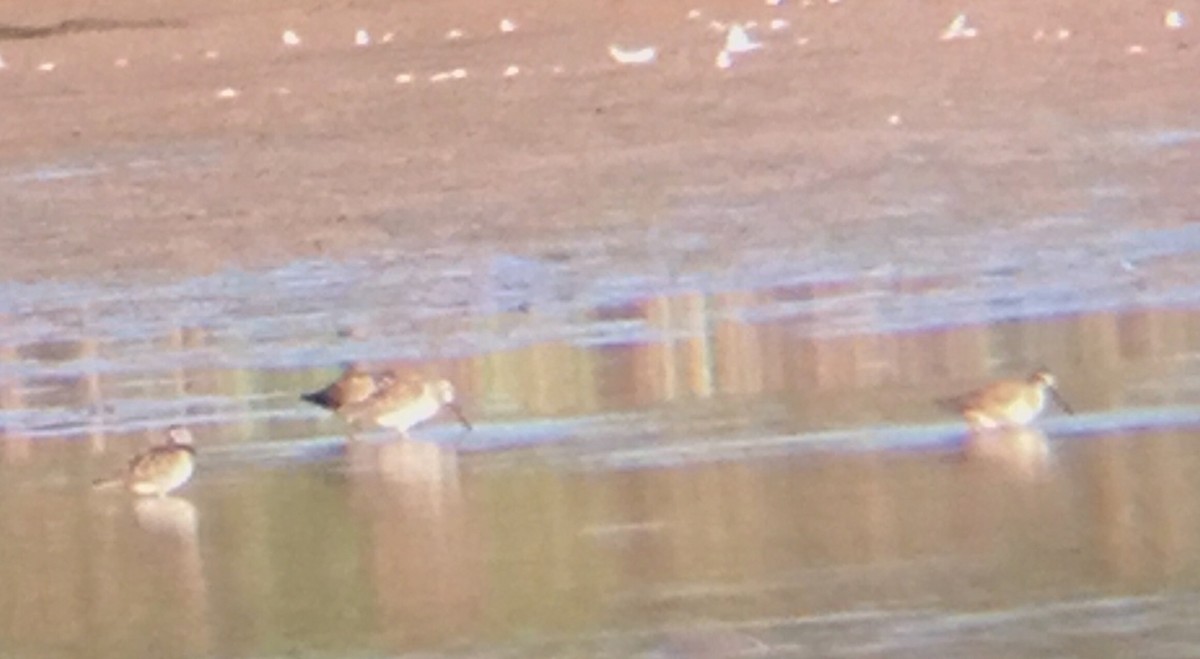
x=633 y=56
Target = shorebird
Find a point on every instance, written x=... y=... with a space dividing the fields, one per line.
x=160 y=469
x=402 y=401
x=1008 y=403
x=353 y=386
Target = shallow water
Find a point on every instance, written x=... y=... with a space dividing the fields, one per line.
x=683 y=447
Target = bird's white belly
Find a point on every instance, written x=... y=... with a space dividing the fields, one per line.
x=409 y=415
x=165 y=483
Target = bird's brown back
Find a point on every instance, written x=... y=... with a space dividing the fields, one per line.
x=998 y=394
x=393 y=391
x=158 y=461
x=353 y=386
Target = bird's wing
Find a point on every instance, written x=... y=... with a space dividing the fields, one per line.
x=995 y=394
x=393 y=389
x=157 y=461
x=354 y=385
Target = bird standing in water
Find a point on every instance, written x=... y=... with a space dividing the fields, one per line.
x=403 y=401
x=159 y=470
x=353 y=386
x=1009 y=403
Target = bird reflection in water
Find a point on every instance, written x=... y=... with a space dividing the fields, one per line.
x=1024 y=451
x=167 y=516
x=424 y=552
x=170 y=526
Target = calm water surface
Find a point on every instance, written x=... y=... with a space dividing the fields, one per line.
x=688 y=451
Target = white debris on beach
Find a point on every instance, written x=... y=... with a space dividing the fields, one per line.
x=958 y=29
x=456 y=74
x=46 y=67
x=738 y=40
x=512 y=70
x=507 y=25
x=290 y=38
x=403 y=78
x=1173 y=19
x=228 y=92
x=632 y=56
x=454 y=34
x=362 y=38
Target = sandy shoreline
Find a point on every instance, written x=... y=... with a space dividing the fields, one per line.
x=125 y=160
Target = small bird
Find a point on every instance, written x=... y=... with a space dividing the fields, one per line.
x=1008 y=403
x=353 y=386
x=159 y=470
x=402 y=401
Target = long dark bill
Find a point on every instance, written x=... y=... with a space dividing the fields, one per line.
x=1059 y=399
x=459 y=413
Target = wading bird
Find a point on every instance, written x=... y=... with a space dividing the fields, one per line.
x=1008 y=403
x=159 y=470
x=404 y=401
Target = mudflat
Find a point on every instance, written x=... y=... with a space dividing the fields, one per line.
x=142 y=139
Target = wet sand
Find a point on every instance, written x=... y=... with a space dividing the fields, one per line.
x=125 y=162
x=698 y=317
